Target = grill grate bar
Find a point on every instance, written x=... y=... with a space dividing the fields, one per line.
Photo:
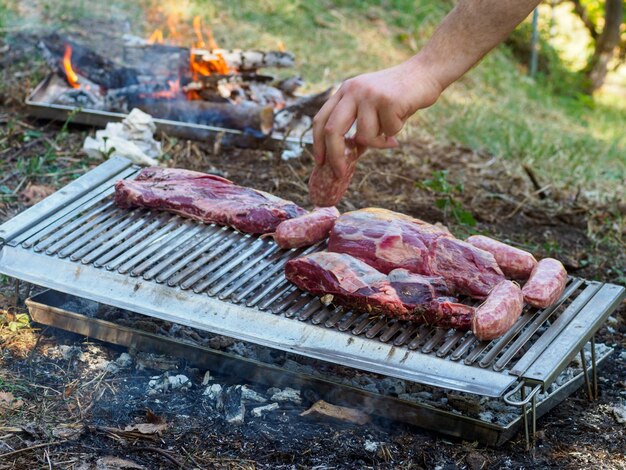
x=267 y=275
x=465 y=346
x=450 y=343
x=406 y=334
x=75 y=233
x=276 y=295
x=476 y=352
x=314 y=307
x=350 y=320
x=391 y=331
x=224 y=269
x=127 y=244
x=93 y=229
x=180 y=259
x=198 y=269
x=43 y=243
x=163 y=249
x=432 y=343
x=100 y=247
x=149 y=245
x=242 y=274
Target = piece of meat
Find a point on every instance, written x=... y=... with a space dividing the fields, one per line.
x=306 y=229
x=387 y=240
x=546 y=283
x=356 y=285
x=515 y=263
x=207 y=198
x=498 y=312
x=325 y=188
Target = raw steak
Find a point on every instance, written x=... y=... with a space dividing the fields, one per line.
x=401 y=294
x=207 y=198
x=387 y=240
x=307 y=229
x=325 y=188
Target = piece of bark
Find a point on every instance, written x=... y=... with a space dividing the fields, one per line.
x=87 y=63
x=257 y=120
x=324 y=410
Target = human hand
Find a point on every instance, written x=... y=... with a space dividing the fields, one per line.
x=379 y=103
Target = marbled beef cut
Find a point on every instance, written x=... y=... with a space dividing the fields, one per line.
x=401 y=294
x=207 y=198
x=387 y=240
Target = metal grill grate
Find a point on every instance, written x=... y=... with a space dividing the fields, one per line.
x=193 y=261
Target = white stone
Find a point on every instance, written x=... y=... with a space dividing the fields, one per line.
x=249 y=395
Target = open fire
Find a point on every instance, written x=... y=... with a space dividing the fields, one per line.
x=199 y=84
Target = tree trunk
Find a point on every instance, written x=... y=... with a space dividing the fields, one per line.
x=605 y=45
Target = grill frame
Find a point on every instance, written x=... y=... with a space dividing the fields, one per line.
x=49 y=308
x=88 y=254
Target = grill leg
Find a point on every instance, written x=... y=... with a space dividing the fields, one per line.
x=526 y=432
x=16 y=296
x=587 y=382
x=594 y=368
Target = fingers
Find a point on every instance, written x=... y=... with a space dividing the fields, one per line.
x=338 y=124
x=319 y=123
x=390 y=123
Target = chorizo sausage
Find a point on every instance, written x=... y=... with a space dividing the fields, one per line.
x=546 y=283
x=499 y=311
x=306 y=229
x=515 y=263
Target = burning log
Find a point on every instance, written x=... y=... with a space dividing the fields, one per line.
x=310 y=105
x=245 y=60
x=86 y=62
x=247 y=117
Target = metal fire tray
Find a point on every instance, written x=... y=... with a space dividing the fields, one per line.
x=74 y=314
x=216 y=279
x=40 y=104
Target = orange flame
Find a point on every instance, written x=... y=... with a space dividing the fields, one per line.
x=172 y=92
x=71 y=76
x=156 y=37
x=197 y=28
x=281 y=46
x=172 y=21
x=211 y=39
x=201 y=66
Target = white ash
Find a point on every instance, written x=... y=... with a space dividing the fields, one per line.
x=165 y=382
x=124 y=360
x=371 y=446
x=234 y=407
x=287 y=395
x=249 y=395
x=207 y=378
x=619 y=412
x=260 y=411
x=214 y=394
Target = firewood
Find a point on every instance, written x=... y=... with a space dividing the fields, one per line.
x=244 y=116
x=246 y=60
x=323 y=409
x=87 y=63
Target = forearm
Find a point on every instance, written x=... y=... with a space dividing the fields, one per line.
x=470 y=30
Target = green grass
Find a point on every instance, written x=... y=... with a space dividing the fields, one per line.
x=571 y=141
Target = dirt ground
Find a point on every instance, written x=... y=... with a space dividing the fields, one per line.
x=64 y=412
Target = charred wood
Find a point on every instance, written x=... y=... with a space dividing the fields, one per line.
x=245 y=117
x=87 y=63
